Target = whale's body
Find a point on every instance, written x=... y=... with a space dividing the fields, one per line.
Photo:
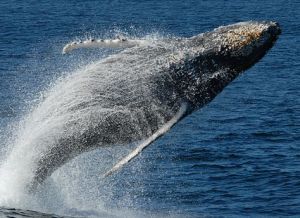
x=129 y=96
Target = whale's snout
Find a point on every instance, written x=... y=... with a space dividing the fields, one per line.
x=246 y=42
x=248 y=38
x=243 y=44
x=273 y=29
x=270 y=32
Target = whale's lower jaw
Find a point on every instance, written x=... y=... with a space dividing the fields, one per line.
x=131 y=95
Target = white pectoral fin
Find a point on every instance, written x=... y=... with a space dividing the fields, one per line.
x=100 y=43
x=160 y=132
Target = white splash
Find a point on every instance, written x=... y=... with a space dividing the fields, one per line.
x=60 y=115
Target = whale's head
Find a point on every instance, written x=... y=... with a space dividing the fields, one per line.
x=243 y=44
x=222 y=54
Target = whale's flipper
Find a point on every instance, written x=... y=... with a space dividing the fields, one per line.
x=160 y=132
x=102 y=43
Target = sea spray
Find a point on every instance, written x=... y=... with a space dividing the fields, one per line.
x=73 y=104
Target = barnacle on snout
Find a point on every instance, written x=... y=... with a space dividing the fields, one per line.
x=242 y=39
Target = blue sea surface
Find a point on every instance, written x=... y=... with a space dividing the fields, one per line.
x=238 y=156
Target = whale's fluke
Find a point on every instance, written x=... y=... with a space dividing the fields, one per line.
x=160 y=132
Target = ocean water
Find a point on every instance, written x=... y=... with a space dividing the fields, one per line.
x=238 y=156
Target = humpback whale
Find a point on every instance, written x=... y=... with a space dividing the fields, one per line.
x=138 y=94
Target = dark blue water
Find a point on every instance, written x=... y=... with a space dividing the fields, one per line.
x=238 y=156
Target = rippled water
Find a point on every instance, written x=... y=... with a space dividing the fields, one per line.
x=238 y=156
